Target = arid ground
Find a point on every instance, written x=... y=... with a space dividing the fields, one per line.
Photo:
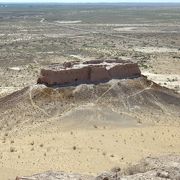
x=89 y=128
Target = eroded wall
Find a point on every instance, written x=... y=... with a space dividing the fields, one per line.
x=89 y=74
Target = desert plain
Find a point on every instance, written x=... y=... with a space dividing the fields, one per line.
x=89 y=128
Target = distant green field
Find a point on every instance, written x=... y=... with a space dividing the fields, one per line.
x=95 y=13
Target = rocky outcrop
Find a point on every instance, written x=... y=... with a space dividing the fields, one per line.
x=94 y=71
x=159 y=168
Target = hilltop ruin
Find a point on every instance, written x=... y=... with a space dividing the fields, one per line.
x=94 y=71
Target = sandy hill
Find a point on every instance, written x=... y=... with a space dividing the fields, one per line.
x=125 y=102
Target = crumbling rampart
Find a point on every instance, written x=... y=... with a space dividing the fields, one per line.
x=93 y=71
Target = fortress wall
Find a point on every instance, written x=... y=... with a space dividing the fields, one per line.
x=99 y=74
x=124 y=71
x=117 y=71
x=65 y=76
x=93 y=72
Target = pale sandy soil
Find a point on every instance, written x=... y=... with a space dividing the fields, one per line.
x=82 y=58
x=164 y=64
x=155 y=49
x=87 y=151
x=145 y=28
x=125 y=29
x=171 y=81
x=8 y=90
x=69 y=22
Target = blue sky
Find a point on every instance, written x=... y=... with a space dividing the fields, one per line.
x=86 y=1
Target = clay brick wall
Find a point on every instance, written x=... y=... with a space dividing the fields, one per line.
x=65 y=76
x=123 y=71
x=89 y=72
x=99 y=74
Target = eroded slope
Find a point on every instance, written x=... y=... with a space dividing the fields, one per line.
x=125 y=102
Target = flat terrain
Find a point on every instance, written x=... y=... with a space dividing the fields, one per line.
x=84 y=151
x=100 y=126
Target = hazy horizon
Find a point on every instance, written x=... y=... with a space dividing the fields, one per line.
x=89 y=1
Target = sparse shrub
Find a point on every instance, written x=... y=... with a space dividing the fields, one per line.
x=41 y=145
x=144 y=66
x=32 y=143
x=6 y=134
x=12 y=149
x=95 y=126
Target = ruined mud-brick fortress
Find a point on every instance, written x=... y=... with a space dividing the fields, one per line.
x=94 y=71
